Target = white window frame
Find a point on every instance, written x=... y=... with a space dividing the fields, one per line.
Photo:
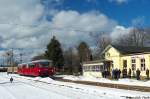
x=142 y=64
x=133 y=64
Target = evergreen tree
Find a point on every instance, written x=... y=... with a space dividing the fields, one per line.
x=54 y=53
x=84 y=52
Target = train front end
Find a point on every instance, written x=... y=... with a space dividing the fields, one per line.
x=46 y=68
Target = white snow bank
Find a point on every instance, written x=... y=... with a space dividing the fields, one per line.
x=47 y=79
x=125 y=81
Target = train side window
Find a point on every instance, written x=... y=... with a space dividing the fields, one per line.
x=19 y=66
x=24 y=66
x=31 y=65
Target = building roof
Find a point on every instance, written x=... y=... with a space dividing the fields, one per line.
x=131 y=49
x=95 y=61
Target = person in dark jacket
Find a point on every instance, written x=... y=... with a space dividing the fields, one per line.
x=147 y=74
x=129 y=73
x=124 y=72
x=103 y=73
x=11 y=79
x=138 y=74
x=112 y=73
x=116 y=73
x=119 y=72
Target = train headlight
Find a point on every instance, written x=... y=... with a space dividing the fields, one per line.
x=39 y=70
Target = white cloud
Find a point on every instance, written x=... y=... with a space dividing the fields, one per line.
x=119 y=1
x=119 y=31
x=76 y=27
x=23 y=25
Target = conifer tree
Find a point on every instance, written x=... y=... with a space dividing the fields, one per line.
x=54 y=53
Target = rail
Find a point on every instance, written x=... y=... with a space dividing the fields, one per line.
x=110 y=85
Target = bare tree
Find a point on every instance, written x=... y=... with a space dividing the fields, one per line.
x=72 y=61
x=103 y=42
x=136 y=37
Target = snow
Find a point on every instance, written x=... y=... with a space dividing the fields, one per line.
x=47 y=88
x=125 y=81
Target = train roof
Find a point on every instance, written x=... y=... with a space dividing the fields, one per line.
x=42 y=60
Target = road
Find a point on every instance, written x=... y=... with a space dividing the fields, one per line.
x=20 y=90
x=25 y=88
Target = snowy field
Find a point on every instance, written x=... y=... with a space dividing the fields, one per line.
x=46 y=88
x=125 y=81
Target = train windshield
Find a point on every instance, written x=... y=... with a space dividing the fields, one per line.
x=44 y=64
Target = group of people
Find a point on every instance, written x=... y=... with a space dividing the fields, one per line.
x=105 y=73
x=116 y=73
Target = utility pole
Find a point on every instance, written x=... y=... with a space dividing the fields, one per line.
x=12 y=60
x=20 y=57
x=21 y=54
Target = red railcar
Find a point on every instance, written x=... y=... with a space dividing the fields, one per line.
x=36 y=68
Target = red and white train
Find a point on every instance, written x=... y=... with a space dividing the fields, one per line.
x=36 y=68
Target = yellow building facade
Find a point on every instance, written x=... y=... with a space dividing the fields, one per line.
x=128 y=57
x=120 y=57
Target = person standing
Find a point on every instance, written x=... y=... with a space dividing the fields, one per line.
x=113 y=73
x=11 y=79
x=138 y=74
x=119 y=72
x=124 y=72
x=147 y=73
x=129 y=73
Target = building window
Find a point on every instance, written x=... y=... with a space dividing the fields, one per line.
x=89 y=68
x=124 y=64
x=133 y=63
x=84 y=68
x=143 y=64
x=94 y=68
x=108 y=54
x=97 y=68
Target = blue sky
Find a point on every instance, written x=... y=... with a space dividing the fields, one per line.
x=30 y=24
x=123 y=11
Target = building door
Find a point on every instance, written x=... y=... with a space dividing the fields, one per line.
x=124 y=64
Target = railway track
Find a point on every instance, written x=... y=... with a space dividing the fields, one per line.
x=109 y=85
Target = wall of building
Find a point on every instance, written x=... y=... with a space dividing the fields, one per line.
x=117 y=59
x=113 y=55
x=92 y=74
x=138 y=62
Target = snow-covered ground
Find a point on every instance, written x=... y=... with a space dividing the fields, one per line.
x=124 y=81
x=31 y=88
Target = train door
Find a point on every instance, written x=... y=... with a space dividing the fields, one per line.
x=31 y=66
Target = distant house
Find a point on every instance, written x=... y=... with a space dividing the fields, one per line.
x=125 y=57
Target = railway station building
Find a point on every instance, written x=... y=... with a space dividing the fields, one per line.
x=120 y=57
